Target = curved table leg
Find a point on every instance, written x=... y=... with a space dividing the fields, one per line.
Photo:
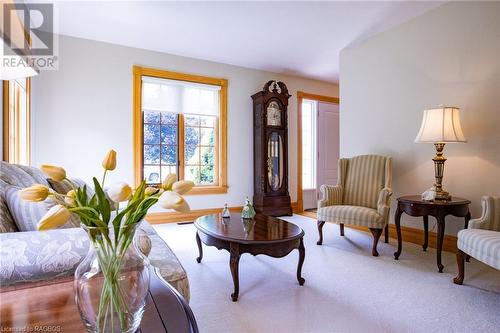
x=200 y=250
x=320 y=231
x=440 y=235
x=397 y=221
x=234 y=261
x=302 y=255
x=426 y=232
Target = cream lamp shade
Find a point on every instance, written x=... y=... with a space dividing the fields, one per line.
x=441 y=125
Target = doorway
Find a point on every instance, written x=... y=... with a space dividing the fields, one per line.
x=318 y=146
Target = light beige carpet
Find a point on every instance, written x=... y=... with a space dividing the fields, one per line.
x=346 y=289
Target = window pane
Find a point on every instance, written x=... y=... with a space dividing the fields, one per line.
x=168 y=169
x=151 y=117
x=168 y=154
x=192 y=120
x=169 y=134
x=207 y=136
x=151 y=154
x=207 y=174
x=192 y=136
x=151 y=134
x=207 y=121
x=168 y=118
x=207 y=155
x=152 y=174
x=192 y=173
x=191 y=155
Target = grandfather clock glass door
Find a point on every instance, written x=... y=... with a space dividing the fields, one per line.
x=275 y=161
x=271 y=150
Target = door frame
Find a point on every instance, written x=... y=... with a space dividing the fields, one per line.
x=301 y=95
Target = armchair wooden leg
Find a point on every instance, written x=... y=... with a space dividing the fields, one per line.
x=341 y=229
x=376 y=235
x=386 y=233
x=459 y=279
x=320 y=231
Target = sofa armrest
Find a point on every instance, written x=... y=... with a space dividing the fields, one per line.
x=486 y=221
x=384 y=202
x=331 y=195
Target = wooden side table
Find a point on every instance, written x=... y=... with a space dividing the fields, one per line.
x=413 y=205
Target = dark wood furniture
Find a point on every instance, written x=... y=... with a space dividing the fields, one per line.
x=52 y=308
x=270 y=150
x=261 y=235
x=413 y=205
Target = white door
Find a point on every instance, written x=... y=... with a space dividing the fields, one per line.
x=327 y=144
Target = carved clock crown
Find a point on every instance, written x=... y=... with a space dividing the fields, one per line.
x=276 y=87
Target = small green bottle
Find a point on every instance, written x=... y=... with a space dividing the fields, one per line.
x=248 y=211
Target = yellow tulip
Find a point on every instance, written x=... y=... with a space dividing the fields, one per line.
x=150 y=191
x=119 y=192
x=169 y=181
x=55 y=217
x=34 y=193
x=182 y=186
x=109 y=162
x=173 y=200
x=54 y=172
x=70 y=198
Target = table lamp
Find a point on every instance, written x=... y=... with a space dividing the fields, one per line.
x=440 y=126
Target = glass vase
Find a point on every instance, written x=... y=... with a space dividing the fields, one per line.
x=112 y=282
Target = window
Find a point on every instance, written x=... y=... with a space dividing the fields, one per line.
x=180 y=127
x=309 y=108
x=16 y=121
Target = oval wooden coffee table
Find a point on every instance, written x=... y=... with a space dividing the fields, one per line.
x=261 y=235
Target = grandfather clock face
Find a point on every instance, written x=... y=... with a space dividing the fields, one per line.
x=274 y=114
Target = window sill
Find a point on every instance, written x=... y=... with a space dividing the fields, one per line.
x=197 y=190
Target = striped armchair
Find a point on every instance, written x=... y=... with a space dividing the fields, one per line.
x=481 y=239
x=361 y=197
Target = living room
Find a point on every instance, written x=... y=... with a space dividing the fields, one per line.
x=168 y=125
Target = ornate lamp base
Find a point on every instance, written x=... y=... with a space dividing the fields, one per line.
x=442 y=196
x=439 y=160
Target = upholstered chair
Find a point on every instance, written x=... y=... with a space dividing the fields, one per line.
x=360 y=198
x=481 y=239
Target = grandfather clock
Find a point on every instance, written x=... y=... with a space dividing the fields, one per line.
x=270 y=150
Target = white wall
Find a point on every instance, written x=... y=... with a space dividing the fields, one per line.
x=450 y=55
x=85 y=108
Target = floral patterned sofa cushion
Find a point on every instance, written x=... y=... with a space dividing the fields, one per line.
x=34 y=256
x=45 y=255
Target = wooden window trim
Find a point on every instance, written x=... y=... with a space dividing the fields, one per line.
x=6 y=130
x=221 y=129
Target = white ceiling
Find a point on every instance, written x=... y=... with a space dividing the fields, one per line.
x=296 y=38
